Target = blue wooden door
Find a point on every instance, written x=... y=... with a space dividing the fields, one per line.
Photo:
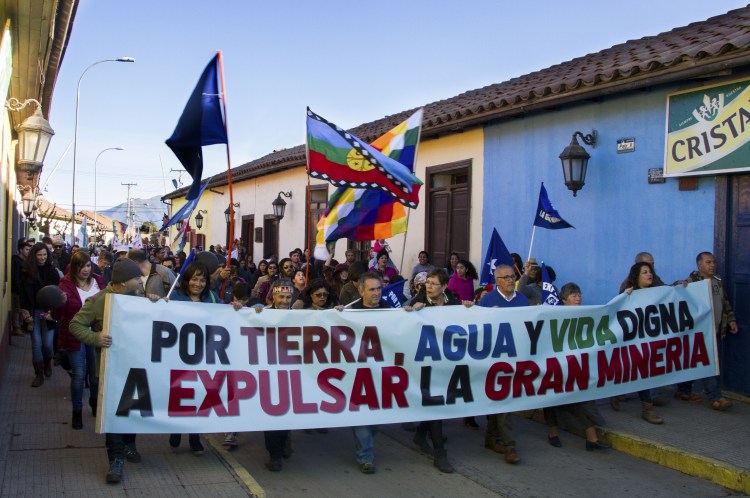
x=736 y=348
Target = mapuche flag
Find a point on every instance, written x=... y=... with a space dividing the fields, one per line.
x=341 y=158
x=366 y=214
x=201 y=124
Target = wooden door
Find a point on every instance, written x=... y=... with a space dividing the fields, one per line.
x=448 y=209
x=735 y=271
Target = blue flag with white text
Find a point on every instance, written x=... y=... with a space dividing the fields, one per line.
x=549 y=293
x=186 y=210
x=393 y=293
x=546 y=215
x=201 y=124
x=497 y=254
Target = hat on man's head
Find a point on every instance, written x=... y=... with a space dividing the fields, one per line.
x=209 y=259
x=124 y=269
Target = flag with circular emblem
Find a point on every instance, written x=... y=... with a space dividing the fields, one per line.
x=343 y=159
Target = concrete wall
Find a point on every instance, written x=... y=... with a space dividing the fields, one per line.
x=616 y=214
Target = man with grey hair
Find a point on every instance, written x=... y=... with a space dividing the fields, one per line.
x=499 y=433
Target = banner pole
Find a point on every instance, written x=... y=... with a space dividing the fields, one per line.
x=403 y=246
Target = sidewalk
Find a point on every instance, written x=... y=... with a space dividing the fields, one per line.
x=40 y=455
x=694 y=439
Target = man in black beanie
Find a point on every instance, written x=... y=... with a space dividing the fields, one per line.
x=87 y=327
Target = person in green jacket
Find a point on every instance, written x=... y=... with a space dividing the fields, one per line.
x=88 y=327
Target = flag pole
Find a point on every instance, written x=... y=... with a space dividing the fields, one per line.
x=403 y=246
x=408 y=213
x=309 y=230
x=533 y=232
x=229 y=170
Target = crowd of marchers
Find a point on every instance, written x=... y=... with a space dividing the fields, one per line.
x=57 y=301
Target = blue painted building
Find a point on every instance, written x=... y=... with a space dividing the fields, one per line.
x=617 y=213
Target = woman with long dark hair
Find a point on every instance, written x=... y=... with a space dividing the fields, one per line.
x=194 y=287
x=641 y=276
x=38 y=272
x=462 y=281
x=78 y=284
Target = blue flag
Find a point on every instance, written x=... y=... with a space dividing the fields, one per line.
x=549 y=294
x=392 y=294
x=201 y=124
x=186 y=210
x=187 y=262
x=546 y=216
x=497 y=254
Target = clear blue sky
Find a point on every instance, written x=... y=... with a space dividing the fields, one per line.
x=351 y=62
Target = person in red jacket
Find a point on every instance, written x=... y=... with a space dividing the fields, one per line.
x=78 y=284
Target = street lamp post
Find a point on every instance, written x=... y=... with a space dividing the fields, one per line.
x=95 y=161
x=75 y=143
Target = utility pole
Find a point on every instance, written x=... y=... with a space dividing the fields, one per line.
x=130 y=214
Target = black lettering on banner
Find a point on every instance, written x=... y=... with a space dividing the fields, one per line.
x=137 y=380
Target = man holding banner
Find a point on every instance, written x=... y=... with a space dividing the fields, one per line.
x=87 y=327
x=370 y=286
x=499 y=434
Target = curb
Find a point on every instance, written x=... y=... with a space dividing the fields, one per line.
x=721 y=473
x=254 y=489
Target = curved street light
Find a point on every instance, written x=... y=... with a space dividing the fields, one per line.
x=95 y=161
x=75 y=142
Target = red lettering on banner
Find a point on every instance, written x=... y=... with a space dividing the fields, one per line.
x=316 y=340
x=266 y=404
x=363 y=391
x=700 y=353
x=526 y=373
x=213 y=397
x=657 y=357
x=553 y=377
x=578 y=372
x=177 y=393
x=395 y=382
x=252 y=334
x=298 y=404
x=495 y=378
x=324 y=383
x=673 y=352
x=286 y=345
x=370 y=345
x=235 y=393
x=342 y=342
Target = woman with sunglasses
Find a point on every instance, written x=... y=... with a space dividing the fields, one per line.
x=272 y=270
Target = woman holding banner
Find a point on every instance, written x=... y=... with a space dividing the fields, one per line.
x=641 y=276
x=434 y=293
x=79 y=284
x=582 y=417
x=316 y=296
x=193 y=287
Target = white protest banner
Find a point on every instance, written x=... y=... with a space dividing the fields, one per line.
x=190 y=367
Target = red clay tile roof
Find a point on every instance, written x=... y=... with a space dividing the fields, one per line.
x=719 y=43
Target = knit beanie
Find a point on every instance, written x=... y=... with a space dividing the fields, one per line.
x=209 y=259
x=124 y=269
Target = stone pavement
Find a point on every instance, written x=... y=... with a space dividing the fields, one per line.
x=40 y=455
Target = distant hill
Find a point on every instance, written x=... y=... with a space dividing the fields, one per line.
x=151 y=209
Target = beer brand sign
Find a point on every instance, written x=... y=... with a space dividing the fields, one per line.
x=707 y=130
